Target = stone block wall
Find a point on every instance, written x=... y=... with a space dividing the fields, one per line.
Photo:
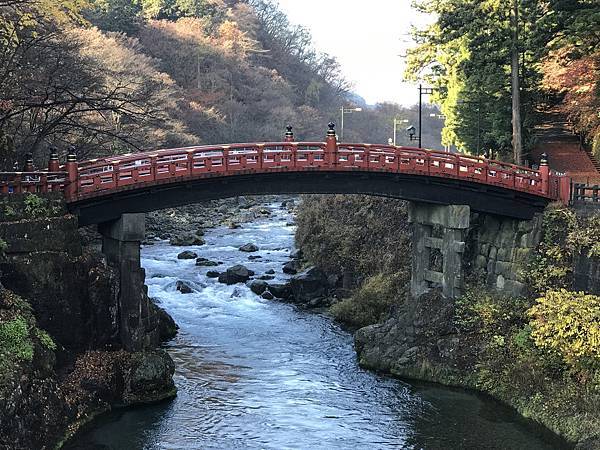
x=586 y=274
x=499 y=249
x=81 y=297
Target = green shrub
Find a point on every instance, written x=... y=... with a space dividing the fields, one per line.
x=552 y=265
x=9 y=211
x=36 y=206
x=371 y=302
x=585 y=237
x=568 y=323
x=46 y=340
x=478 y=310
x=15 y=342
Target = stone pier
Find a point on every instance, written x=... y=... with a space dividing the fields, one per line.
x=438 y=232
x=121 y=246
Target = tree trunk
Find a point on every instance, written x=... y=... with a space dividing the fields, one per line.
x=517 y=139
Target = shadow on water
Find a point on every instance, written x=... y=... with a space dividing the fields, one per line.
x=258 y=374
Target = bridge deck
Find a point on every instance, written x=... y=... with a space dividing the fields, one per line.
x=100 y=180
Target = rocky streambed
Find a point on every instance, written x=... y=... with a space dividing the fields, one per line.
x=255 y=372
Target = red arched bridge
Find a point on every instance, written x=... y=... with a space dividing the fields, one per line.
x=100 y=190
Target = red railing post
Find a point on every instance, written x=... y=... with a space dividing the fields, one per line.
x=29 y=167
x=289 y=134
x=564 y=190
x=331 y=145
x=72 y=176
x=53 y=162
x=545 y=173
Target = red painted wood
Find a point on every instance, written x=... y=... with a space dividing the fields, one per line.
x=95 y=178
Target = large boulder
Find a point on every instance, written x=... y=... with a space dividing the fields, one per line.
x=309 y=285
x=184 y=239
x=259 y=286
x=291 y=267
x=212 y=274
x=235 y=274
x=281 y=291
x=249 y=248
x=148 y=377
x=188 y=254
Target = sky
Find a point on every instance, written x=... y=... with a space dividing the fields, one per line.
x=367 y=38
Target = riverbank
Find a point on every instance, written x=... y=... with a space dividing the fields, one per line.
x=61 y=361
x=483 y=341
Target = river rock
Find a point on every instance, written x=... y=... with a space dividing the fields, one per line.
x=235 y=274
x=253 y=257
x=291 y=267
x=184 y=287
x=309 y=285
x=167 y=327
x=297 y=254
x=270 y=272
x=188 y=254
x=281 y=291
x=213 y=274
x=186 y=239
x=149 y=377
x=267 y=295
x=266 y=277
x=203 y=262
x=258 y=286
x=249 y=248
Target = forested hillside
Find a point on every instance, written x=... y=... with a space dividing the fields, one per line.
x=111 y=76
x=466 y=55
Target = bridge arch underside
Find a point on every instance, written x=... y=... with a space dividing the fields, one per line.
x=434 y=190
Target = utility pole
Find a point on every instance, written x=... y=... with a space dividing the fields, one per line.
x=517 y=138
x=422 y=91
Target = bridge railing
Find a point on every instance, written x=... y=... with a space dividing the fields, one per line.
x=99 y=177
x=33 y=182
x=586 y=194
x=162 y=166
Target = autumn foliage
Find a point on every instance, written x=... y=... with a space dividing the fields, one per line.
x=568 y=323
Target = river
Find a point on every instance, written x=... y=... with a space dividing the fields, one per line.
x=259 y=374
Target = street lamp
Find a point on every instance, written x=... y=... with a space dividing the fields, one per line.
x=411 y=134
x=346 y=111
x=396 y=123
